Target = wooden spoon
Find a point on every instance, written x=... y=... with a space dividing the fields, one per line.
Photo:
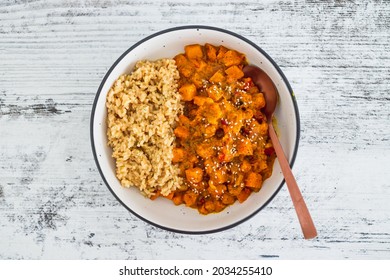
x=267 y=87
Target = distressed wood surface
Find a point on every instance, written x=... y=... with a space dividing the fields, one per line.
x=53 y=55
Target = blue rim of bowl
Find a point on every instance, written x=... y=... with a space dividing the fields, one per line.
x=197 y=27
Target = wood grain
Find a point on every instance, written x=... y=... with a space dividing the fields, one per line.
x=53 y=55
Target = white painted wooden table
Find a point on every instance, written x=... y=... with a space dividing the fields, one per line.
x=53 y=55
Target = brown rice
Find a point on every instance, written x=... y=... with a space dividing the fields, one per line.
x=142 y=110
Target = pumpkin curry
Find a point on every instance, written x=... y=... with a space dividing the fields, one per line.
x=222 y=146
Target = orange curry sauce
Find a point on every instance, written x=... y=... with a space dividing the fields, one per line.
x=222 y=144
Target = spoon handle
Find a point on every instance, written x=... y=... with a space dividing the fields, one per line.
x=307 y=225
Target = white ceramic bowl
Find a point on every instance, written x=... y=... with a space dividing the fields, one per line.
x=162 y=212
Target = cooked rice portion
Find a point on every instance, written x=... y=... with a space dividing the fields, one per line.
x=142 y=111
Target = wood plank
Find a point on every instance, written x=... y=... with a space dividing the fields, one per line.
x=53 y=55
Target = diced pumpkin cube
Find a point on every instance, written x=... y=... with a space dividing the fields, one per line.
x=243 y=98
x=186 y=70
x=209 y=130
x=189 y=198
x=219 y=176
x=180 y=60
x=239 y=179
x=218 y=77
x=221 y=52
x=215 y=92
x=227 y=153
x=245 y=166
x=201 y=100
x=194 y=175
x=202 y=209
x=182 y=132
x=213 y=113
x=199 y=64
x=253 y=180
x=264 y=128
x=208 y=165
x=205 y=150
x=255 y=128
x=193 y=51
x=198 y=186
x=178 y=155
x=193 y=159
x=178 y=198
x=244 y=147
x=263 y=165
x=211 y=52
x=232 y=58
x=258 y=101
x=209 y=205
x=184 y=66
x=187 y=91
x=236 y=121
x=184 y=120
x=233 y=74
x=243 y=195
x=219 y=206
x=227 y=199
x=248 y=114
x=196 y=121
x=183 y=167
x=234 y=190
x=216 y=191
x=197 y=80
